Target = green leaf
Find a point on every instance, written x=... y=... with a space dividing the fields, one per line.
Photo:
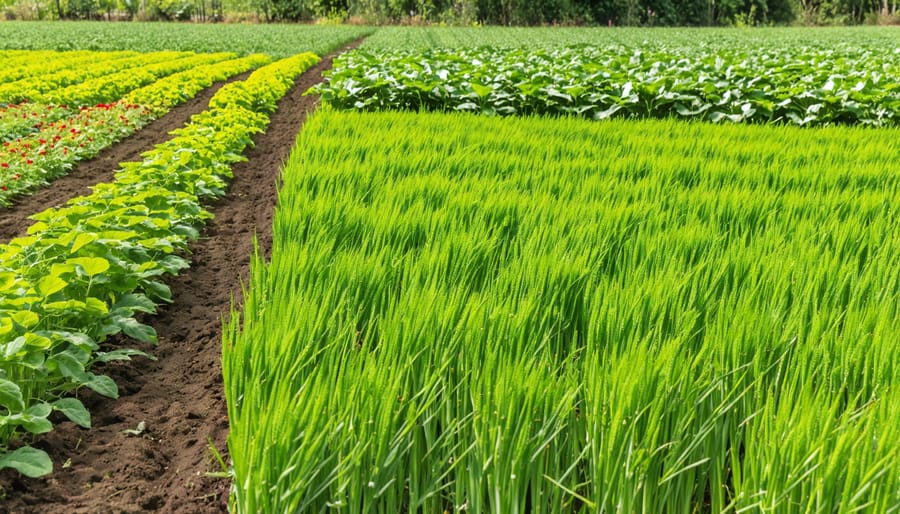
x=50 y=284
x=6 y=325
x=602 y=115
x=467 y=106
x=73 y=409
x=36 y=341
x=92 y=266
x=102 y=384
x=158 y=290
x=7 y=280
x=11 y=396
x=66 y=305
x=83 y=239
x=34 y=419
x=134 y=302
x=39 y=410
x=12 y=348
x=135 y=329
x=70 y=367
x=481 y=90
x=716 y=116
x=95 y=306
x=26 y=319
x=28 y=461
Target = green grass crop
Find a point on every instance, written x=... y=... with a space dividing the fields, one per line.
x=274 y=40
x=516 y=315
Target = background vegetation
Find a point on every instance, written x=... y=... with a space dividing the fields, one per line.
x=489 y=12
x=278 y=41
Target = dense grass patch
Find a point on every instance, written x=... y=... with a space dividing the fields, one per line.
x=532 y=315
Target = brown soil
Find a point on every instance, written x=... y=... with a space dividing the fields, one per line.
x=178 y=397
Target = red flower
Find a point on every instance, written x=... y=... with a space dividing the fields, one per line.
x=28 y=161
x=3 y=188
x=4 y=165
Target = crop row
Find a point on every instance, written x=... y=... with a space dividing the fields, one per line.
x=115 y=81
x=42 y=142
x=850 y=39
x=811 y=87
x=28 y=63
x=477 y=314
x=87 y=269
x=37 y=84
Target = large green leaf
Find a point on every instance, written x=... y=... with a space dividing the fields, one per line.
x=92 y=266
x=28 y=461
x=73 y=409
x=11 y=396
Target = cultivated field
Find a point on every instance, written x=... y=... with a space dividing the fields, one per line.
x=507 y=270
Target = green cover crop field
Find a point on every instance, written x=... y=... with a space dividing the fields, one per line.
x=627 y=317
x=499 y=270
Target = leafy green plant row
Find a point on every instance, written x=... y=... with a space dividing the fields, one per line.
x=276 y=40
x=167 y=92
x=812 y=87
x=35 y=86
x=471 y=314
x=27 y=63
x=114 y=86
x=87 y=269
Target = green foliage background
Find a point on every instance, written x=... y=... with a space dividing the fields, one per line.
x=465 y=12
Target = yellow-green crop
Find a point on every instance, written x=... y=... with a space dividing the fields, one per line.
x=530 y=315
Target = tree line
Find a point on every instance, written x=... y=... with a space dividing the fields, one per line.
x=467 y=12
